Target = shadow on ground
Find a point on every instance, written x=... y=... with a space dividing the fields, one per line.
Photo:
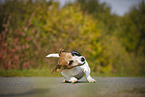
x=31 y=92
x=77 y=82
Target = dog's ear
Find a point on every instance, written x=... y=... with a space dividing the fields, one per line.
x=75 y=53
x=61 y=50
x=57 y=68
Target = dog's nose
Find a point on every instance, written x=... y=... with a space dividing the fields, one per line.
x=82 y=59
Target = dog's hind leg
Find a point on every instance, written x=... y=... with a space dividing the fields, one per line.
x=71 y=80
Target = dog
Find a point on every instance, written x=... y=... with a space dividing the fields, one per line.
x=73 y=66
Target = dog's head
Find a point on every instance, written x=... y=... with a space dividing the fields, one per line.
x=77 y=59
x=69 y=60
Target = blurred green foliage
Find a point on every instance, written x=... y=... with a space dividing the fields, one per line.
x=111 y=44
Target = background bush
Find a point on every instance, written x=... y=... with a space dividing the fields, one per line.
x=111 y=44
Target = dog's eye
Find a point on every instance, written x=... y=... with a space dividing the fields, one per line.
x=70 y=62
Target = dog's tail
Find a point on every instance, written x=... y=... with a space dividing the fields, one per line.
x=53 y=55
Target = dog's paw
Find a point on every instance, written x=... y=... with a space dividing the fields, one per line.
x=91 y=80
x=73 y=80
x=64 y=81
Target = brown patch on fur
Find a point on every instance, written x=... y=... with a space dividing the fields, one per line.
x=63 y=61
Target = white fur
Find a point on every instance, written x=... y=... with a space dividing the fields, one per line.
x=70 y=73
x=53 y=55
x=76 y=73
x=77 y=60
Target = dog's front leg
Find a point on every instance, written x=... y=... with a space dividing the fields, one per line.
x=86 y=69
x=89 y=78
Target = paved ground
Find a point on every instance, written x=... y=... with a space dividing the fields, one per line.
x=53 y=87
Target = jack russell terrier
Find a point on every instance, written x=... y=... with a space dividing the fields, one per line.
x=72 y=65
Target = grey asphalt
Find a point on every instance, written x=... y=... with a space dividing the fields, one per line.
x=54 y=87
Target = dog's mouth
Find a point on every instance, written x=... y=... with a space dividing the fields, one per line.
x=83 y=63
x=80 y=64
x=72 y=66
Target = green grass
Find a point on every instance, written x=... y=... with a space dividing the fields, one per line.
x=47 y=73
x=28 y=73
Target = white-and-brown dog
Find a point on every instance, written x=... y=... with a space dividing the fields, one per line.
x=73 y=66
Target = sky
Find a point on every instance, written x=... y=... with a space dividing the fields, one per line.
x=119 y=7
